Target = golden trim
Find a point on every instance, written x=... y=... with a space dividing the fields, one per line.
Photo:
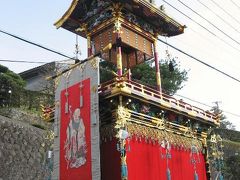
x=127 y=88
x=94 y=63
x=192 y=113
x=151 y=134
x=166 y=104
x=158 y=12
x=67 y=14
x=88 y=42
x=158 y=78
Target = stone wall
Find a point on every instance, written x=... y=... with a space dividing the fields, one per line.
x=28 y=117
x=22 y=151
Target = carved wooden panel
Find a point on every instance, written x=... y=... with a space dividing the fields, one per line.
x=136 y=48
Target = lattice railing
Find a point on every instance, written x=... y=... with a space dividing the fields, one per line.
x=161 y=98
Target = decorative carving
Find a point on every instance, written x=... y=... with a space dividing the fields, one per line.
x=116 y=8
x=159 y=135
x=139 y=22
x=94 y=63
x=122 y=115
x=216 y=154
x=117 y=27
x=160 y=124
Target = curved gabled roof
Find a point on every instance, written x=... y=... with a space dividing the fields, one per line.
x=75 y=16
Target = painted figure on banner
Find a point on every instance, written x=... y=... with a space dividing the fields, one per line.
x=75 y=144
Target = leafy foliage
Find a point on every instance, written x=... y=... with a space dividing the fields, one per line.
x=225 y=124
x=172 y=80
x=106 y=69
x=11 y=84
x=232 y=167
x=231 y=141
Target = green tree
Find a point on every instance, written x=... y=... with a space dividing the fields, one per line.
x=106 y=69
x=172 y=76
x=11 y=86
x=224 y=123
x=231 y=163
x=232 y=167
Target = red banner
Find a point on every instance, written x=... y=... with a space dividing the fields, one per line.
x=75 y=137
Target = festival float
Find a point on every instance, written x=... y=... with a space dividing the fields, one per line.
x=122 y=129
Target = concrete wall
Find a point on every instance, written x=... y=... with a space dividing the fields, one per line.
x=22 y=151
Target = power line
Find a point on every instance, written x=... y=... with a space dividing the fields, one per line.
x=40 y=62
x=198 y=60
x=35 y=44
x=225 y=11
x=218 y=16
x=207 y=39
x=235 y=4
x=22 y=39
x=27 y=61
x=212 y=33
x=204 y=104
x=204 y=50
x=22 y=61
x=209 y=22
x=190 y=18
x=193 y=100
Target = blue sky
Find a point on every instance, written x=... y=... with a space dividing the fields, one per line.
x=34 y=21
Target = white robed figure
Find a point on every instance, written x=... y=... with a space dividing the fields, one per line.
x=75 y=144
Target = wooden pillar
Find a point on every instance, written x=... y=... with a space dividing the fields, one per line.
x=129 y=70
x=89 y=46
x=118 y=30
x=158 y=77
x=118 y=47
x=119 y=56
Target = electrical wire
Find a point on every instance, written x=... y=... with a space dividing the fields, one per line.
x=204 y=104
x=218 y=16
x=22 y=39
x=209 y=31
x=196 y=101
x=235 y=4
x=208 y=40
x=33 y=62
x=193 y=100
x=200 y=61
x=22 y=61
x=205 y=52
x=42 y=62
x=190 y=18
x=35 y=44
x=225 y=11
x=209 y=22
x=179 y=50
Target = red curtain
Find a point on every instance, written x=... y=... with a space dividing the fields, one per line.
x=145 y=162
x=110 y=161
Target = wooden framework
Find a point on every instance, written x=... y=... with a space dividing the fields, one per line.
x=132 y=27
x=182 y=124
x=139 y=23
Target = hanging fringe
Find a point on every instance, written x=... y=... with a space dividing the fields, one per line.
x=195 y=176
x=66 y=108
x=124 y=171
x=220 y=176
x=168 y=174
